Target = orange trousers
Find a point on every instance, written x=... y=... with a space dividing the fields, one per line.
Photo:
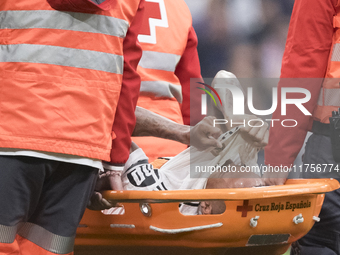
x=22 y=246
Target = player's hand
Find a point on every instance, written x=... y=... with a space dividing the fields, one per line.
x=204 y=135
x=256 y=133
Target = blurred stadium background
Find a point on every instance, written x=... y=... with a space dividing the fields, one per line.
x=245 y=37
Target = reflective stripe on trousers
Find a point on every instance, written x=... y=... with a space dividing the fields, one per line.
x=33 y=239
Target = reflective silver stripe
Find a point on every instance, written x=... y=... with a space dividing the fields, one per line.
x=162 y=89
x=47 y=240
x=98 y=1
x=159 y=61
x=55 y=55
x=8 y=233
x=73 y=21
x=336 y=52
x=329 y=97
x=122 y=226
x=271 y=239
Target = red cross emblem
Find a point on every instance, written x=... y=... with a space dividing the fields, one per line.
x=154 y=16
x=151 y=10
x=245 y=208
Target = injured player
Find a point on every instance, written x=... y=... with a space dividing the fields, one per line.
x=237 y=147
x=139 y=174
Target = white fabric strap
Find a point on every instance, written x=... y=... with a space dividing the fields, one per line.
x=183 y=230
x=113 y=168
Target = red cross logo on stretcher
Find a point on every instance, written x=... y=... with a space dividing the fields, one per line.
x=154 y=16
x=245 y=208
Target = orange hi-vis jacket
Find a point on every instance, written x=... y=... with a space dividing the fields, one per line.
x=310 y=61
x=169 y=60
x=329 y=98
x=61 y=74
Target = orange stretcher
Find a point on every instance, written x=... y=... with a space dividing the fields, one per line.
x=253 y=217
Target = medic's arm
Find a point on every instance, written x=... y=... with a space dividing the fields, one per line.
x=189 y=67
x=306 y=56
x=125 y=115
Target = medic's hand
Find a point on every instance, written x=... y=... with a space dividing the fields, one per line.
x=257 y=134
x=204 y=135
x=109 y=180
x=271 y=179
x=113 y=174
x=98 y=203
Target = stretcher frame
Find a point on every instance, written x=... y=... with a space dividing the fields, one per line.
x=253 y=217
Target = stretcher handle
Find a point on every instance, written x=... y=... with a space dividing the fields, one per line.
x=183 y=230
x=291 y=188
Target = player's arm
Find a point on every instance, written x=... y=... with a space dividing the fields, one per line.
x=151 y=124
x=202 y=135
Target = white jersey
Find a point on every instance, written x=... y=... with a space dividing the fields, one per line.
x=173 y=175
x=138 y=174
x=178 y=173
